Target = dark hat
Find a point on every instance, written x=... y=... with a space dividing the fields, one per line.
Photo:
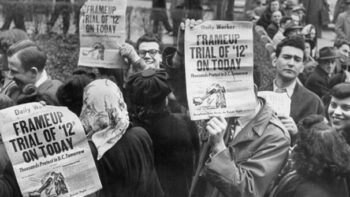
x=327 y=53
x=290 y=26
x=148 y=87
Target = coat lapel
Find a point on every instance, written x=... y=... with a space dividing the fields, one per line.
x=255 y=128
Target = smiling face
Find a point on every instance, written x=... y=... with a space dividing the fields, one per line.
x=339 y=112
x=343 y=51
x=149 y=52
x=289 y=63
x=18 y=73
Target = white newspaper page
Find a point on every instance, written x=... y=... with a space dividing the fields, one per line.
x=279 y=102
x=49 y=151
x=102 y=32
x=219 y=69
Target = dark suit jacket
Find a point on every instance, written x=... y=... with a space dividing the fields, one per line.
x=303 y=103
x=318 y=82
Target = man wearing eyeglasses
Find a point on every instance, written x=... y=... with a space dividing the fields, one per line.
x=148 y=47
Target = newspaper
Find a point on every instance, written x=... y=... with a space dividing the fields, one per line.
x=102 y=32
x=49 y=151
x=219 y=69
x=279 y=102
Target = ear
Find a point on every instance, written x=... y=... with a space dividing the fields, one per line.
x=34 y=71
x=274 y=59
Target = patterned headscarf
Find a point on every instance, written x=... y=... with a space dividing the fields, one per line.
x=104 y=114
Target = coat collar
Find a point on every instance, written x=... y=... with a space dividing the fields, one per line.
x=256 y=127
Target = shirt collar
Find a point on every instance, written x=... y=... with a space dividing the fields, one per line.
x=289 y=89
x=43 y=77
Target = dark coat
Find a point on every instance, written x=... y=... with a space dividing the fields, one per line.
x=337 y=79
x=176 y=146
x=272 y=29
x=303 y=103
x=318 y=82
x=302 y=187
x=251 y=161
x=317 y=13
x=265 y=19
x=127 y=169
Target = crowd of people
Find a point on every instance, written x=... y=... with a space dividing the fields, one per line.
x=157 y=151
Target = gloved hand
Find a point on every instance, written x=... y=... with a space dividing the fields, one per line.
x=181 y=34
x=127 y=51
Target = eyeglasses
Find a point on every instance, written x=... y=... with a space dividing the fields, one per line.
x=151 y=52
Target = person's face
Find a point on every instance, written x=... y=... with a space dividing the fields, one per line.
x=289 y=63
x=276 y=17
x=344 y=50
x=149 y=52
x=328 y=66
x=18 y=74
x=307 y=49
x=295 y=19
x=313 y=33
x=275 y=5
x=339 y=112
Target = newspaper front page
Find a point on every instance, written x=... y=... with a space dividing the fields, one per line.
x=102 y=32
x=219 y=69
x=49 y=151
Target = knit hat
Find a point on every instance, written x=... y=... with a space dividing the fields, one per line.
x=148 y=87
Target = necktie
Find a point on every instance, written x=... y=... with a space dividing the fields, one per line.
x=232 y=131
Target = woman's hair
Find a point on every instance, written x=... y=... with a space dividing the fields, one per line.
x=70 y=94
x=320 y=152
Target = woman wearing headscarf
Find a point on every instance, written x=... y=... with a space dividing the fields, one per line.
x=123 y=154
x=174 y=136
x=321 y=162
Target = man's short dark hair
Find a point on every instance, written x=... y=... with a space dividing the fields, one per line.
x=293 y=41
x=148 y=38
x=341 y=91
x=340 y=42
x=29 y=54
